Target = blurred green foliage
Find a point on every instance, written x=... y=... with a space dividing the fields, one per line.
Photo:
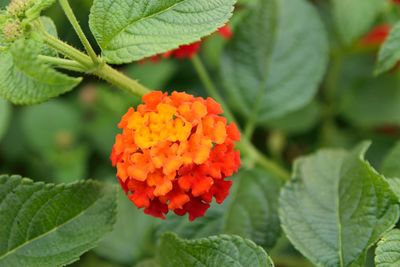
x=70 y=138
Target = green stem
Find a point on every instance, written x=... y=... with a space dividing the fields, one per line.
x=63 y=63
x=329 y=97
x=120 y=80
x=68 y=50
x=75 y=24
x=102 y=70
x=245 y=146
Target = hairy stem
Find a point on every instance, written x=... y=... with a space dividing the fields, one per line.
x=120 y=80
x=101 y=70
x=75 y=24
x=63 y=63
x=245 y=146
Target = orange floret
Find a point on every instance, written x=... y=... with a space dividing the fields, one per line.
x=175 y=153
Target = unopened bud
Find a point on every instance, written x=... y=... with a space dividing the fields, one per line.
x=18 y=7
x=12 y=31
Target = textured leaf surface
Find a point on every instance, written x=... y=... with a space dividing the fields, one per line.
x=350 y=24
x=336 y=206
x=395 y=186
x=389 y=53
x=387 y=253
x=214 y=251
x=391 y=164
x=276 y=59
x=24 y=79
x=253 y=212
x=129 y=30
x=48 y=225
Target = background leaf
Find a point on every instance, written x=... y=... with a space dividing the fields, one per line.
x=5 y=115
x=389 y=53
x=253 y=211
x=336 y=206
x=48 y=225
x=129 y=30
x=353 y=18
x=276 y=59
x=387 y=253
x=132 y=232
x=214 y=251
x=24 y=79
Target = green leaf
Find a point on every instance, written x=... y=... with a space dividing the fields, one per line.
x=253 y=211
x=25 y=79
x=129 y=30
x=375 y=104
x=50 y=126
x=4 y=3
x=214 y=251
x=395 y=186
x=391 y=164
x=209 y=224
x=336 y=206
x=352 y=25
x=298 y=121
x=387 y=253
x=148 y=263
x=132 y=232
x=5 y=115
x=276 y=59
x=50 y=27
x=51 y=225
x=389 y=53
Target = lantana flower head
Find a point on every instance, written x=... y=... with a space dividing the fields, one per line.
x=175 y=153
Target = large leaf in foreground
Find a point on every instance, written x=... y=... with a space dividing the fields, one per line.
x=276 y=59
x=25 y=79
x=51 y=225
x=129 y=30
x=214 y=251
x=387 y=253
x=336 y=207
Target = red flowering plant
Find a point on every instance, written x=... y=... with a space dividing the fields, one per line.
x=252 y=153
x=175 y=153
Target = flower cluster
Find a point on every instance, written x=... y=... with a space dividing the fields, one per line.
x=175 y=153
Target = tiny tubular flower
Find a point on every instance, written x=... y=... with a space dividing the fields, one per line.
x=175 y=153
